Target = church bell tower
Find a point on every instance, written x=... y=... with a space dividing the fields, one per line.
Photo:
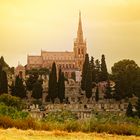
x=80 y=48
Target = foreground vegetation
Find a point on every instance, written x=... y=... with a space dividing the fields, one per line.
x=12 y=116
x=12 y=134
x=108 y=124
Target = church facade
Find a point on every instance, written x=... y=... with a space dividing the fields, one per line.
x=68 y=61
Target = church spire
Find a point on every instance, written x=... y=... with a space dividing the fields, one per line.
x=80 y=31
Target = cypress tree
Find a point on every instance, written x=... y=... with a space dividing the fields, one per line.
x=3 y=63
x=129 y=111
x=19 y=89
x=93 y=70
x=88 y=82
x=53 y=89
x=37 y=90
x=138 y=107
x=97 y=94
x=3 y=81
x=117 y=93
x=84 y=72
x=61 y=86
x=104 y=73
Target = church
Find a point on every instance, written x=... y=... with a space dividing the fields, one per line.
x=68 y=61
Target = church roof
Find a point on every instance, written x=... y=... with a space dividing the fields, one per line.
x=56 y=53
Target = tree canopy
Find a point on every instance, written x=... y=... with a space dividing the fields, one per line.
x=37 y=90
x=125 y=73
x=19 y=88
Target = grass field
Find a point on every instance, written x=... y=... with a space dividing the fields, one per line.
x=15 y=134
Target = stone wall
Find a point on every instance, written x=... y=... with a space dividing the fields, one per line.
x=107 y=107
x=81 y=110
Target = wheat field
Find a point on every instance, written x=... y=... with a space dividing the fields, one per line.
x=15 y=134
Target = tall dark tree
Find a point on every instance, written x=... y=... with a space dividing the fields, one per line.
x=0 y=79
x=88 y=82
x=37 y=90
x=138 y=107
x=104 y=73
x=30 y=82
x=125 y=75
x=93 y=70
x=3 y=63
x=84 y=72
x=61 y=86
x=3 y=81
x=53 y=89
x=19 y=89
x=129 y=111
x=117 y=92
x=137 y=84
x=97 y=94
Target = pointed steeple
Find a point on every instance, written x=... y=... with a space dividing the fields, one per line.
x=80 y=31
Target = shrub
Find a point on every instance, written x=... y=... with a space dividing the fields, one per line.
x=12 y=101
x=112 y=124
x=28 y=123
x=60 y=116
x=6 y=122
x=12 y=112
x=71 y=126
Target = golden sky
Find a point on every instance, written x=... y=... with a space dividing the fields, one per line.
x=111 y=27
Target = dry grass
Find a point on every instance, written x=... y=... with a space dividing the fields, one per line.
x=15 y=134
